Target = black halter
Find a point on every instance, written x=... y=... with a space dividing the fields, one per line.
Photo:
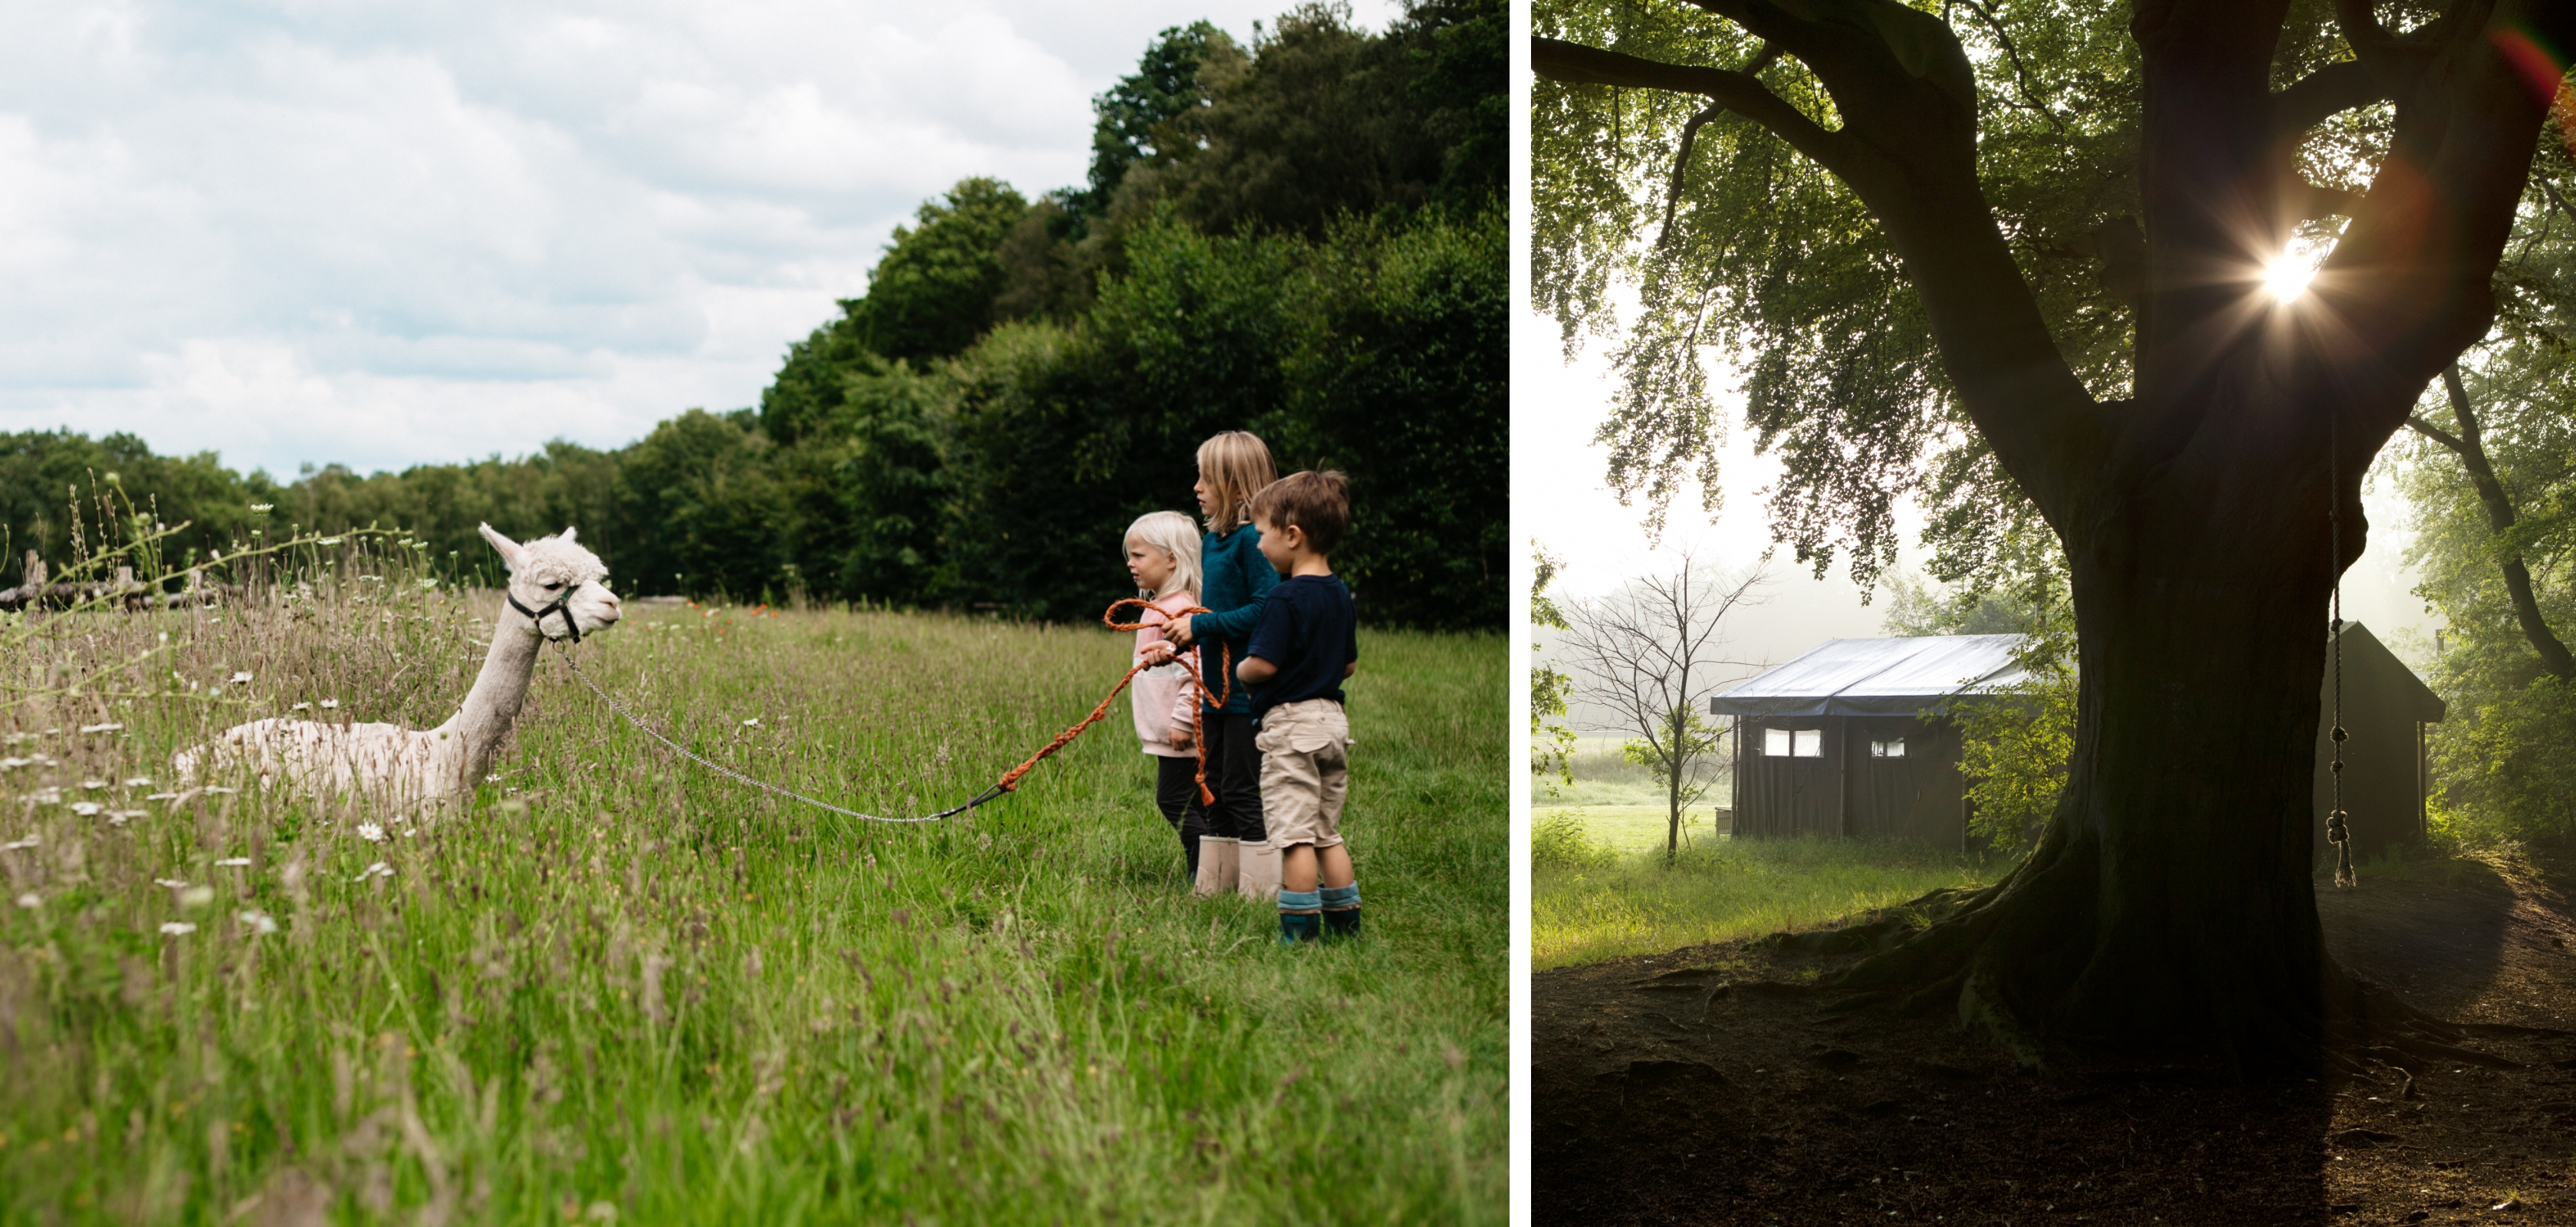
x=562 y=605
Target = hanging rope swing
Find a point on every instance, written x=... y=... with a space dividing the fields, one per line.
x=2338 y=826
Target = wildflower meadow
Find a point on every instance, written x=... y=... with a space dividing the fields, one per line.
x=616 y=987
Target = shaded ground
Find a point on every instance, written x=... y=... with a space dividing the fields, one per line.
x=1691 y=1088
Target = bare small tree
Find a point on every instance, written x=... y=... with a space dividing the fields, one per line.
x=1649 y=653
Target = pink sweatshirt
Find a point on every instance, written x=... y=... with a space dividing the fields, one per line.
x=1162 y=696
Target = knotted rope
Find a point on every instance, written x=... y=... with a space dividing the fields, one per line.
x=1010 y=779
x=2338 y=829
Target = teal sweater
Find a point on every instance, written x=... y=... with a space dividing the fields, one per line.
x=1235 y=579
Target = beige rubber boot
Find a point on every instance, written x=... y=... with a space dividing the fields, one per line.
x=1260 y=874
x=1217 y=858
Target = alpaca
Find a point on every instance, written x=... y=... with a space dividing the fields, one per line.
x=556 y=587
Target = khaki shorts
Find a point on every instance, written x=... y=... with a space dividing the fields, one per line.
x=1305 y=772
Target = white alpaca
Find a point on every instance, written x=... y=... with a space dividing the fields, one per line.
x=555 y=587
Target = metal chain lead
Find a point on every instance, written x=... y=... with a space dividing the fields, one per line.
x=728 y=772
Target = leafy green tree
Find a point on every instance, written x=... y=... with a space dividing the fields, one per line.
x=868 y=487
x=1396 y=374
x=2492 y=480
x=703 y=483
x=932 y=293
x=1134 y=117
x=45 y=475
x=1324 y=120
x=1551 y=743
x=2037 y=235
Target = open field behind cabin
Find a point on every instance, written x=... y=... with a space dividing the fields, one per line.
x=619 y=988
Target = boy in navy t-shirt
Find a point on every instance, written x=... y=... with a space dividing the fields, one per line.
x=1306 y=642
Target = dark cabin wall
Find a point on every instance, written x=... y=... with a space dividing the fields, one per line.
x=2383 y=774
x=1846 y=792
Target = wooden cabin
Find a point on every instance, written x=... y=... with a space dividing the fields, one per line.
x=2385 y=776
x=1833 y=742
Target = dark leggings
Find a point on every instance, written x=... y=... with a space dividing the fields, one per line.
x=1234 y=775
x=1176 y=793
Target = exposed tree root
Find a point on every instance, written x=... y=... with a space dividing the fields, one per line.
x=2026 y=962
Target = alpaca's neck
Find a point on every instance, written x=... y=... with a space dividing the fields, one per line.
x=485 y=716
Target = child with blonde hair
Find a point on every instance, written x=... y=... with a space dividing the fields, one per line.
x=1163 y=555
x=1235 y=579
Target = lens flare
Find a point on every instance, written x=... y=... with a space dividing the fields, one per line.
x=2288 y=275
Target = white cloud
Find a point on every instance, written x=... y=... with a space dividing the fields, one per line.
x=392 y=234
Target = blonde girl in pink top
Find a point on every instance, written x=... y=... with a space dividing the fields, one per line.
x=1163 y=556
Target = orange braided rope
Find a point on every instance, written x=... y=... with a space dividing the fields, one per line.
x=1198 y=734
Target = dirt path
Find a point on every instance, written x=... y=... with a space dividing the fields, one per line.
x=1658 y=1100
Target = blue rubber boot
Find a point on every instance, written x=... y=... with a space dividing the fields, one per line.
x=1341 y=906
x=1300 y=918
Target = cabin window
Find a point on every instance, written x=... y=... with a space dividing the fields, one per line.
x=1893 y=747
x=1809 y=743
x=1775 y=743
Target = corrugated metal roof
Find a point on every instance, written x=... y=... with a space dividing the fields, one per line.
x=1876 y=677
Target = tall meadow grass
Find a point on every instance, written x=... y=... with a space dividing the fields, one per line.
x=1592 y=901
x=615 y=987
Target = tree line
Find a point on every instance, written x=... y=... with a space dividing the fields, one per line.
x=1302 y=237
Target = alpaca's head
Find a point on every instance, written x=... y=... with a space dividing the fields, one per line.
x=544 y=570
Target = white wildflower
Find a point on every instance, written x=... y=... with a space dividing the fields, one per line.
x=165 y=796
x=102 y=728
x=20 y=845
x=140 y=781
x=29 y=900
x=233 y=862
x=172 y=883
x=12 y=764
x=87 y=809
x=221 y=790
x=371 y=833
x=46 y=796
x=329 y=703
x=301 y=707
x=240 y=676
x=177 y=928
x=119 y=817
x=261 y=509
x=377 y=870
x=93 y=785
x=258 y=921
x=752 y=723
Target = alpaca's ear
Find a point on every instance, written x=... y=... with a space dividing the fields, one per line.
x=510 y=550
x=567 y=534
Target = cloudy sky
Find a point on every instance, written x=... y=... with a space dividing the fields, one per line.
x=385 y=234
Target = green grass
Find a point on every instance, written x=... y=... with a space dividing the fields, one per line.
x=621 y=988
x=1595 y=898
x=1638 y=828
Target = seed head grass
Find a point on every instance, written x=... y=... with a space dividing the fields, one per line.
x=614 y=986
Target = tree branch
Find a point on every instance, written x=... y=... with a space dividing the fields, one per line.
x=2472 y=451
x=2322 y=94
x=2307 y=201
x=2436 y=434
x=1907 y=148
x=1741 y=92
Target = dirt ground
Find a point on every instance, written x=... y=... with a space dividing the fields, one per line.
x=1688 y=1088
